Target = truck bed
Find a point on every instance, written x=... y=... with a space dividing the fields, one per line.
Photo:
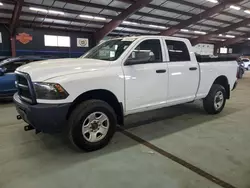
x=207 y=58
x=210 y=70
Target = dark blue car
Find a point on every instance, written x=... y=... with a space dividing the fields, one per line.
x=7 y=75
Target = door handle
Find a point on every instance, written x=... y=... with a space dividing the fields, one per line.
x=161 y=71
x=193 y=68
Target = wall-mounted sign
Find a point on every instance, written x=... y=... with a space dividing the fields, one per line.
x=82 y=42
x=24 y=38
x=223 y=50
x=204 y=49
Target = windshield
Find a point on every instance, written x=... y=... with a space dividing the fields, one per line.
x=7 y=60
x=245 y=60
x=110 y=50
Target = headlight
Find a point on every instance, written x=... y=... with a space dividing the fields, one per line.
x=50 y=91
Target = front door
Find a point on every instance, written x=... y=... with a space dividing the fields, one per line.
x=146 y=79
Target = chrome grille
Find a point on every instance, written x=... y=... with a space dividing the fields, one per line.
x=25 y=88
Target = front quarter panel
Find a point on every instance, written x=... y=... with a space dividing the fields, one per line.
x=110 y=79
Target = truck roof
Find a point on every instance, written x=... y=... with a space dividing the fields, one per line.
x=152 y=36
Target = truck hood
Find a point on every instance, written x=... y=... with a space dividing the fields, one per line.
x=44 y=70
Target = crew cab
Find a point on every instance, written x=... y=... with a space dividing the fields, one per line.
x=87 y=97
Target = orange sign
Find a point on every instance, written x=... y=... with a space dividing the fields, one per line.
x=24 y=38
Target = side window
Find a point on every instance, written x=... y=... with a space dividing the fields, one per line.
x=11 y=67
x=148 y=51
x=177 y=51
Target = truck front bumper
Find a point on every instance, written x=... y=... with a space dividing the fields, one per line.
x=47 y=118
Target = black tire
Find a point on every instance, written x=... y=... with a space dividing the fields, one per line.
x=75 y=123
x=240 y=74
x=208 y=102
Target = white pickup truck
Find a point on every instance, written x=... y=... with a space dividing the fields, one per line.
x=88 y=96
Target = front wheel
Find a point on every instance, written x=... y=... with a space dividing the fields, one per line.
x=215 y=101
x=91 y=125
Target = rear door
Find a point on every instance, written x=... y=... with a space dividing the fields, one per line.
x=183 y=72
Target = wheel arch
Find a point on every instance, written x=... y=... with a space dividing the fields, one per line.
x=223 y=81
x=104 y=95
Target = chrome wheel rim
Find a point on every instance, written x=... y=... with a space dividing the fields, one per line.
x=218 y=100
x=95 y=127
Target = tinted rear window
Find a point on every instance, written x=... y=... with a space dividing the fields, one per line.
x=177 y=51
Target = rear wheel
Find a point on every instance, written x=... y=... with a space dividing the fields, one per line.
x=215 y=100
x=91 y=125
x=240 y=74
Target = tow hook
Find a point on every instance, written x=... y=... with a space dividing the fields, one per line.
x=28 y=128
x=18 y=117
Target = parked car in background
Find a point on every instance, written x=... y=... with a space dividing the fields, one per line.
x=7 y=75
x=3 y=58
x=241 y=68
x=246 y=62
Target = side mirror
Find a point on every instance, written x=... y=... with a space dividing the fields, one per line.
x=137 y=61
x=140 y=57
x=2 y=71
